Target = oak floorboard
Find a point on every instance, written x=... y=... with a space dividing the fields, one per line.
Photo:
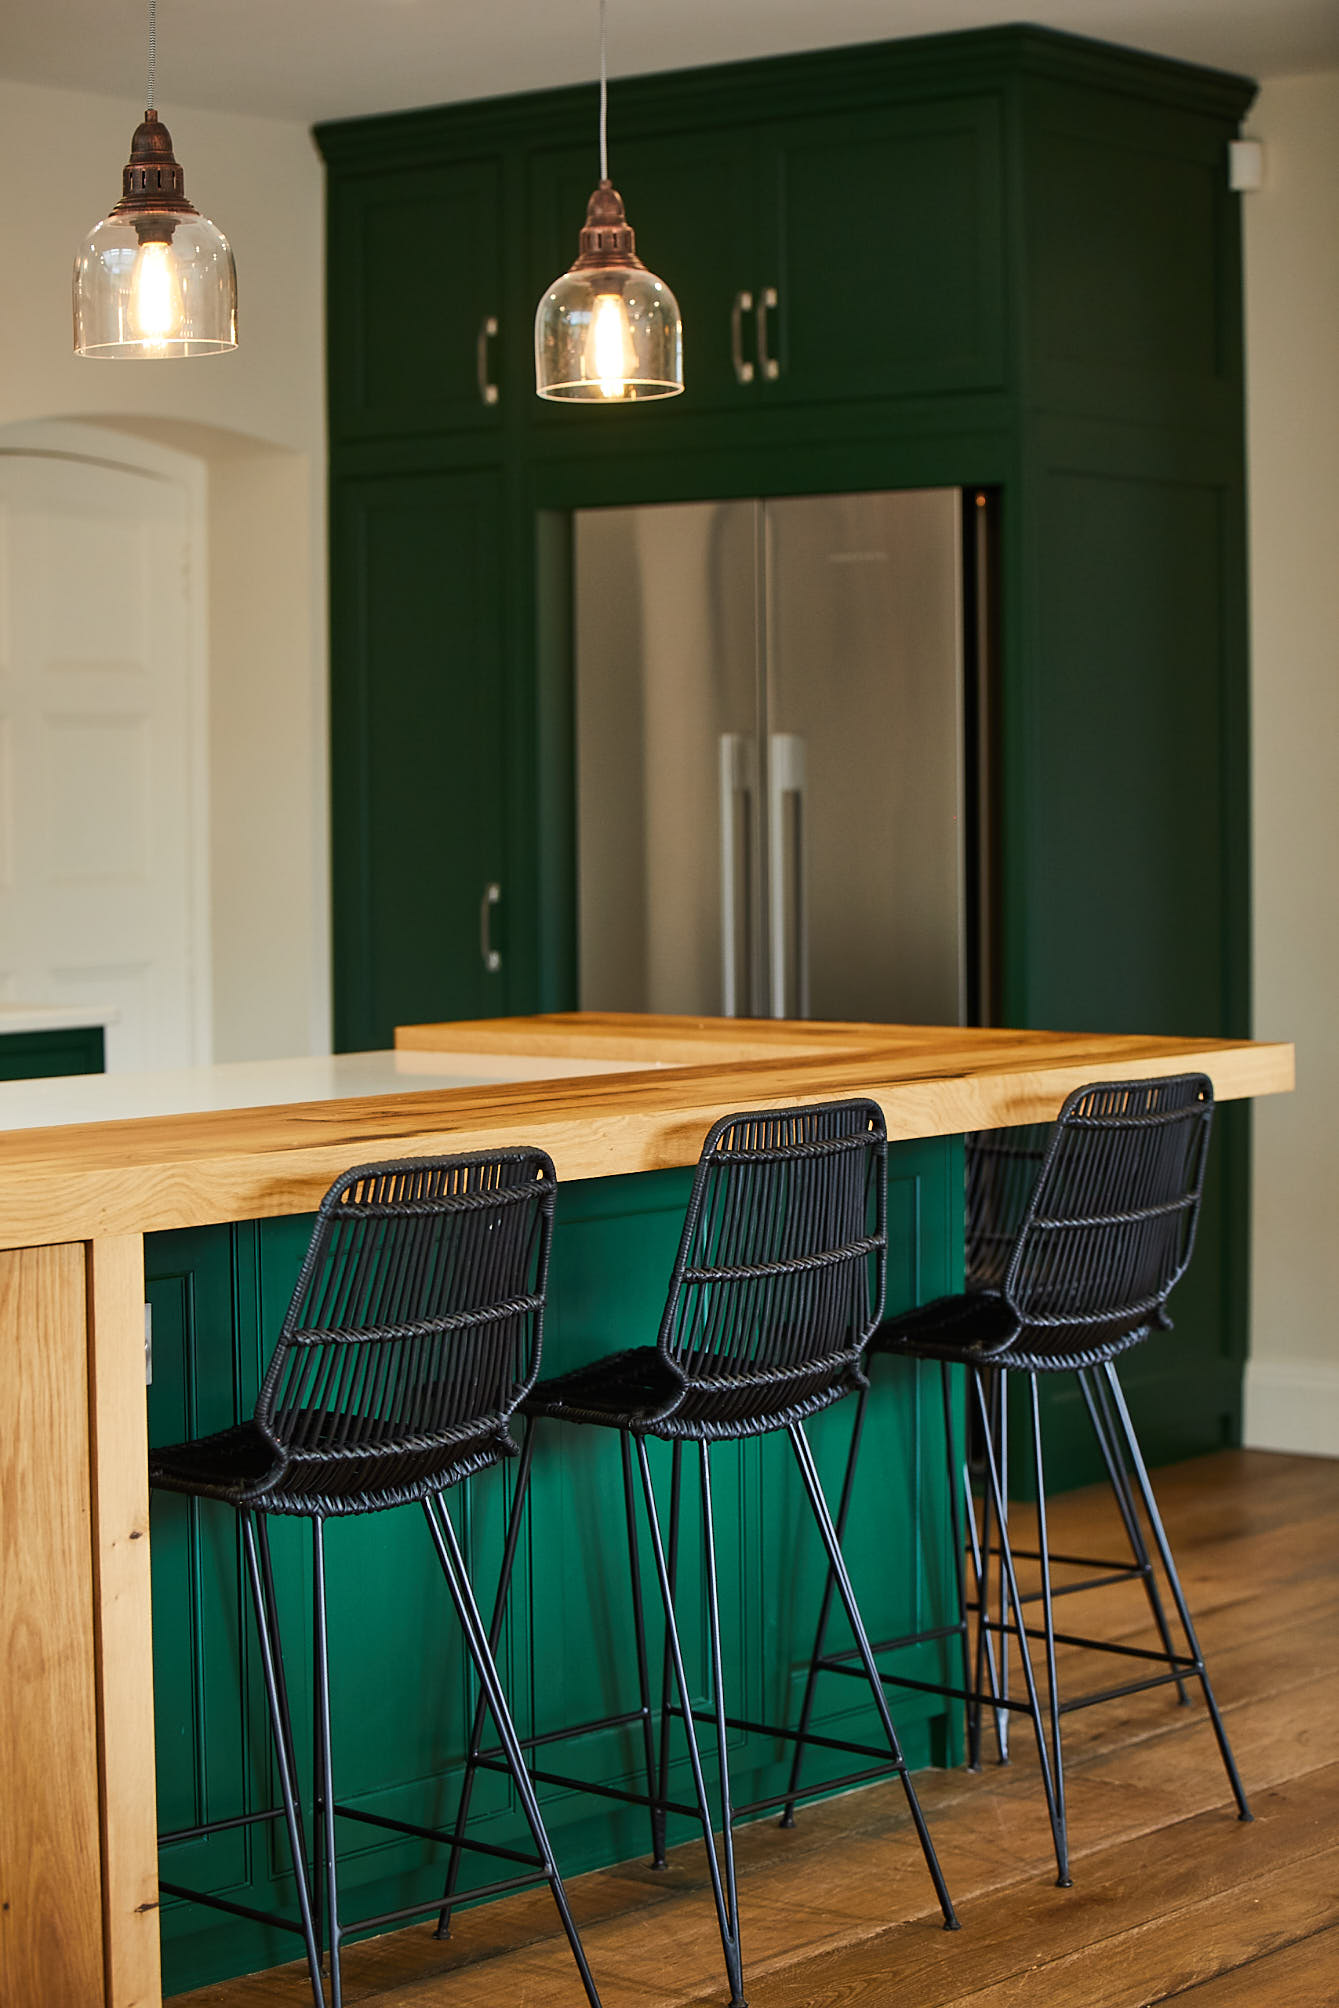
x=1174 y=1898
x=1304 y=1974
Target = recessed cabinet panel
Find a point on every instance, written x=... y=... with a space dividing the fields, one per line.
x=689 y=198
x=420 y=280
x=1132 y=256
x=419 y=754
x=888 y=259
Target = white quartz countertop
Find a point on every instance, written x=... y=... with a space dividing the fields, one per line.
x=256 y=1084
x=54 y=1017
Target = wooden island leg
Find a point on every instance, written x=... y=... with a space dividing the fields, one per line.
x=78 y=1895
x=123 y=1620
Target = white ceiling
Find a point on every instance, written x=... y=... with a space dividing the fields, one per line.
x=317 y=59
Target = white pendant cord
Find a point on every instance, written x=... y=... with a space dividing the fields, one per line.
x=604 y=92
x=153 y=53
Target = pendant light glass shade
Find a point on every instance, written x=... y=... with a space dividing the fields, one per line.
x=155 y=279
x=608 y=330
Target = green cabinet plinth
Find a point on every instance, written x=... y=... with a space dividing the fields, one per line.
x=402 y=1697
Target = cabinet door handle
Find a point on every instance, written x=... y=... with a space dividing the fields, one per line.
x=742 y=304
x=488 y=392
x=488 y=955
x=767 y=303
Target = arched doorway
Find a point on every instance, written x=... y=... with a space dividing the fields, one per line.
x=103 y=770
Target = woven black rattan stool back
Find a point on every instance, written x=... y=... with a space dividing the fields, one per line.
x=780 y=1274
x=1111 y=1221
x=1002 y=1168
x=414 y=1328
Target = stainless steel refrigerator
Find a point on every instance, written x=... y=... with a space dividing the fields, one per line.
x=776 y=777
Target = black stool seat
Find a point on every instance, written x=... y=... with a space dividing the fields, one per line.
x=978 y=1329
x=640 y=1391
x=244 y=1468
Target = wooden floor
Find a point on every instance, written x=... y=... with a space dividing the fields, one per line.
x=1173 y=1898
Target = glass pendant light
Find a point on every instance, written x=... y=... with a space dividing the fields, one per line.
x=155 y=279
x=608 y=330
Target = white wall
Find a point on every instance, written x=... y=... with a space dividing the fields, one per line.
x=1292 y=334
x=257 y=420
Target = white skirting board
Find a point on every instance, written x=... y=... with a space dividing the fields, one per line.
x=1292 y=1405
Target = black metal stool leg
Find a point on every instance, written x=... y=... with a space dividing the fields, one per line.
x=514 y=1521
x=981 y=1559
x=1048 y=1621
x=718 y=1692
x=657 y=1810
x=261 y=1584
x=956 y=1478
x=1002 y=1724
x=1178 y=1595
x=666 y=1659
x=1010 y=1588
x=325 y=1786
x=1104 y=1429
x=804 y=1457
x=824 y=1609
x=462 y=1596
x=725 y=1911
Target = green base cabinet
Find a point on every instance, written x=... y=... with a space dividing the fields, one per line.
x=402 y=1695
x=36 y=1056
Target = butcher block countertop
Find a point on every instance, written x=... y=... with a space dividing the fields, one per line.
x=603 y=1093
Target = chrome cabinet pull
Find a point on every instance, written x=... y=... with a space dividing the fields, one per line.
x=768 y=364
x=488 y=955
x=488 y=392
x=743 y=304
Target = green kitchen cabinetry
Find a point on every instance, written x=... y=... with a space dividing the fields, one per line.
x=402 y=1697
x=415 y=313
x=33 y=1056
x=1006 y=260
x=420 y=752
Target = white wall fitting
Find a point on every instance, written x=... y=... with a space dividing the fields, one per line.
x=1292 y=362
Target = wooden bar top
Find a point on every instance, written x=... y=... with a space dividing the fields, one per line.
x=78 y=1181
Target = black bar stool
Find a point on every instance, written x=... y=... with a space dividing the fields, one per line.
x=1076 y=1237
x=413 y=1332
x=777 y=1285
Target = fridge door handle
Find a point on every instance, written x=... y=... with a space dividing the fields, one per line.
x=787 y=875
x=737 y=768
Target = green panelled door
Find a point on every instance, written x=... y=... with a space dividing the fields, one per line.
x=402 y=1697
x=884 y=240
x=419 y=280
x=418 y=752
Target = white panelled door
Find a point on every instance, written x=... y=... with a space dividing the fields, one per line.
x=100 y=751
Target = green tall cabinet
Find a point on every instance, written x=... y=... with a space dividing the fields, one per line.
x=1006 y=260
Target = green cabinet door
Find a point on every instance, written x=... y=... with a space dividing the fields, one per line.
x=418 y=753
x=30 y=1056
x=415 y=299
x=689 y=198
x=883 y=244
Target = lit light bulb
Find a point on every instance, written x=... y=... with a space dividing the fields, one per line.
x=613 y=358
x=155 y=297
